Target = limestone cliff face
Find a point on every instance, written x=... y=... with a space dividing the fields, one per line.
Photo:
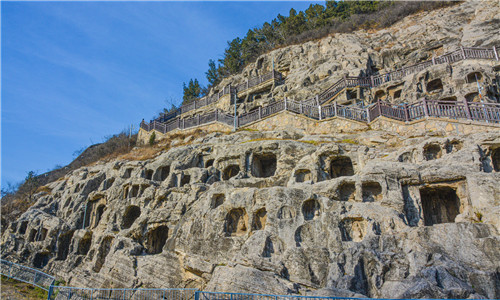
x=372 y=213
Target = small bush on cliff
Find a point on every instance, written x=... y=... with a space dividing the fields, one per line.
x=152 y=138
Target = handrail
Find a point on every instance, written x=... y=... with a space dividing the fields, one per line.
x=67 y=292
x=385 y=109
x=228 y=89
x=376 y=80
x=26 y=274
x=482 y=112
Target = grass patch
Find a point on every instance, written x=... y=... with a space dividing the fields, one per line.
x=44 y=189
x=26 y=290
x=246 y=129
x=310 y=142
x=349 y=141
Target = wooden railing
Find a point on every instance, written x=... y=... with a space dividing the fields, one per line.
x=482 y=112
x=254 y=81
x=310 y=107
x=228 y=89
x=376 y=80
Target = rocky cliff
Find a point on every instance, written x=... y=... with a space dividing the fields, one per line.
x=373 y=213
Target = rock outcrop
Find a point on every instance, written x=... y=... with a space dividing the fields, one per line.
x=373 y=214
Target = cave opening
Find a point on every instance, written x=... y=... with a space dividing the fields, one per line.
x=432 y=151
x=98 y=214
x=303 y=175
x=259 y=219
x=474 y=77
x=346 y=191
x=156 y=239
x=22 y=228
x=236 y=222
x=32 y=235
x=185 y=179
x=102 y=252
x=134 y=192
x=264 y=165
x=63 y=243
x=217 y=200
x=439 y=205
x=495 y=159
x=311 y=209
x=162 y=173
x=41 y=260
x=128 y=173
x=108 y=183
x=131 y=214
x=341 y=166
x=209 y=163
x=148 y=174
x=435 y=85
x=230 y=171
x=371 y=191
x=84 y=244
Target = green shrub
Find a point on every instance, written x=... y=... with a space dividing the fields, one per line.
x=152 y=138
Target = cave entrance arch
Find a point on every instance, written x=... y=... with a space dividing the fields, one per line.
x=236 y=222
x=341 y=166
x=264 y=165
x=155 y=239
x=131 y=214
x=230 y=172
x=439 y=205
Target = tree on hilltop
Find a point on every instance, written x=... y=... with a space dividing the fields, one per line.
x=192 y=91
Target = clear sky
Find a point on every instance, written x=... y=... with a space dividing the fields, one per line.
x=75 y=72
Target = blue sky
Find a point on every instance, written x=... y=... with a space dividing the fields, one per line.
x=75 y=72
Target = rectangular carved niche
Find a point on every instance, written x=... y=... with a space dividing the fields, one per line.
x=442 y=202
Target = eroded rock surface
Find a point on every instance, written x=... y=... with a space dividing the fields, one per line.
x=411 y=217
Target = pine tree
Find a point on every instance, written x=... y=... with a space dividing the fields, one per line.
x=191 y=91
x=213 y=74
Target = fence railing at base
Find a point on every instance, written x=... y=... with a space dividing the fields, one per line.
x=74 y=293
x=26 y=274
x=78 y=293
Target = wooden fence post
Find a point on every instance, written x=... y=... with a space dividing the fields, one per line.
x=407 y=115
x=467 y=109
x=285 y=104
x=334 y=109
x=433 y=60
x=424 y=105
x=495 y=51
x=368 y=115
x=372 y=84
x=463 y=52
x=260 y=112
x=320 y=113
